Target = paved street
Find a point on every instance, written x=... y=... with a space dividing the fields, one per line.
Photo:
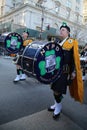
x=18 y=100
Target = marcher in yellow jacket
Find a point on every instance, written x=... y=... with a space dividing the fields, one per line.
x=71 y=75
x=20 y=73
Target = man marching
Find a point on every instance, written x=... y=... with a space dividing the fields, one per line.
x=71 y=75
x=20 y=73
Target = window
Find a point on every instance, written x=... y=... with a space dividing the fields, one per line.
x=85 y=17
x=1 y=10
x=85 y=20
x=77 y=17
x=78 y=1
x=57 y=8
x=26 y=1
x=58 y=0
x=77 y=9
x=67 y=14
x=68 y=3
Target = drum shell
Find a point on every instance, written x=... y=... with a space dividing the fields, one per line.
x=28 y=60
x=38 y=62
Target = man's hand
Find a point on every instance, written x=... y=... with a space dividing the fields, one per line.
x=73 y=75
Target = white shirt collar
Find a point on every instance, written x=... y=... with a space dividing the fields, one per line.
x=61 y=43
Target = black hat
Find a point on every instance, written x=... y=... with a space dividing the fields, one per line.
x=64 y=25
x=26 y=32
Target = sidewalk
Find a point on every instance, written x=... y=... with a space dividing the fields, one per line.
x=41 y=121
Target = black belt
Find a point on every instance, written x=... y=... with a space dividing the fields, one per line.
x=66 y=68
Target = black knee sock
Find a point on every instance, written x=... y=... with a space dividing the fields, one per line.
x=83 y=72
x=18 y=71
x=21 y=71
x=58 y=97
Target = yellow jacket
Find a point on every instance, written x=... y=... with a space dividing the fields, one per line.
x=76 y=88
x=26 y=42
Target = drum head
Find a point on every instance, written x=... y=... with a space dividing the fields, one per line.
x=13 y=42
x=49 y=63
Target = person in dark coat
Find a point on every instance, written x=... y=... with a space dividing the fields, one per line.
x=83 y=59
x=59 y=87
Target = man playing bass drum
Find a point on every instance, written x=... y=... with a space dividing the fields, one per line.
x=20 y=73
x=71 y=74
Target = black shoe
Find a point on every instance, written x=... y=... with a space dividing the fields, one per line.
x=22 y=79
x=15 y=81
x=50 y=109
x=55 y=117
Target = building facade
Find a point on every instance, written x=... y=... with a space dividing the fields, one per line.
x=85 y=11
x=39 y=14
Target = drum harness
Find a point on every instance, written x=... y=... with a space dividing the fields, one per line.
x=66 y=68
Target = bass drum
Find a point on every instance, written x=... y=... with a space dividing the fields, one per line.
x=44 y=60
x=13 y=43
